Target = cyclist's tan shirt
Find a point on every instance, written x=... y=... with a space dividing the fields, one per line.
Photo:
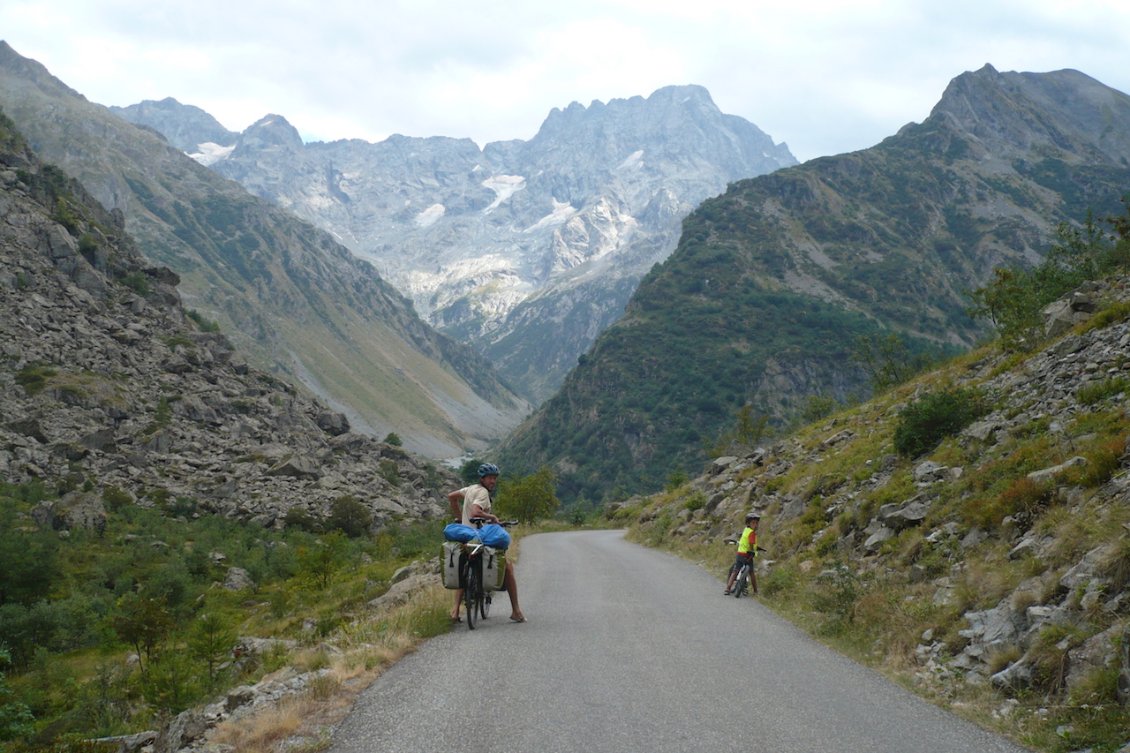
x=475 y=493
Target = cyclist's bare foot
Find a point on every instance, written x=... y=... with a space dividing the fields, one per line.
x=456 y=618
x=517 y=617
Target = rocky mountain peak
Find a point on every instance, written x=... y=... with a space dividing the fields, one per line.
x=32 y=73
x=1062 y=112
x=184 y=126
x=290 y=296
x=269 y=132
x=776 y=280
x=496 y=245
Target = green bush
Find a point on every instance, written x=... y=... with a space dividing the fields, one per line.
x=923 y=424
x=300 y=518
x=34 y=378
x=529 y=498
x=137 y=282
x=390 y=472
x=350 y=517
x=15 y=717
x=1097 y=391
x=203 y=324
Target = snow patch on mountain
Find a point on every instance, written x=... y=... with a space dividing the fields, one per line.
x=635 y=159
x=430 y=216
x=504 y=186
x=209 y=153
x=562 y=211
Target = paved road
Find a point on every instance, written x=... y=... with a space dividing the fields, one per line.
x=629 y=649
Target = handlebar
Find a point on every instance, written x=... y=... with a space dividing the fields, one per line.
x=478 y=522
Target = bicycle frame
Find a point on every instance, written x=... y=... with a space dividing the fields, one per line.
x=476 y=597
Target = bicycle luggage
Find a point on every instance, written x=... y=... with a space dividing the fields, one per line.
x=494 y=568
x=494 y=535
x=449 y=563
x=459 y=532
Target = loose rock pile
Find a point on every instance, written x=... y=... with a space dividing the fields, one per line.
x=107 y=383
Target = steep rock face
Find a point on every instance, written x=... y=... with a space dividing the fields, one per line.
x=526 y=249
x=107 y=382
x=186 y=127
x=291 y=297
x=774 y=281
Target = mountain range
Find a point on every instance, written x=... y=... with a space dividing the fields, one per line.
x=776 y=282
x=760 y=310
x=112 y=391
x=525 y=249
x=290 y=297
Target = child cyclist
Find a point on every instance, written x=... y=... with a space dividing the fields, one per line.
x=747 y=551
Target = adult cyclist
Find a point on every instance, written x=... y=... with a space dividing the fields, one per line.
x=474 y=501
x=747 y=552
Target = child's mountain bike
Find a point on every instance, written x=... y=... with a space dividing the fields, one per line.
x=742 y=581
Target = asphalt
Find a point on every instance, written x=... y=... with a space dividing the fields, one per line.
x=630 y=649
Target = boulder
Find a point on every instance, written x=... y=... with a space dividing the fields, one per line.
x=907 y=515
x=334 y=424
x=238 y=579
x=301 y=466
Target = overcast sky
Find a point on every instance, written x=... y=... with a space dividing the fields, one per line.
x=824 y=76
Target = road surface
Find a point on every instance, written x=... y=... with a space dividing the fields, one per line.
x=629 y=649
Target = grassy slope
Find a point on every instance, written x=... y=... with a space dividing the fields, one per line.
x=822 y=485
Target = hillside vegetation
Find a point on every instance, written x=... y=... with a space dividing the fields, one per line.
x=292 y=299
x=966 y=532
x=775 y=282
x=173 y=522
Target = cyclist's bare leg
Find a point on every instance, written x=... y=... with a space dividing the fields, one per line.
x=458 y=601
x=753 y=578
x=512 y=591
x=731 y=579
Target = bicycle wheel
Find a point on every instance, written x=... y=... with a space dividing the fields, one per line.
x=484 y=608
x=473 y=594
x=741 y=582
x=466 y=579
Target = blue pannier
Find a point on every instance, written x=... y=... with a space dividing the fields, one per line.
x=460 y=532
x=494 y=535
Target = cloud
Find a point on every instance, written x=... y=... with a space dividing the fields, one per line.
x=824 y=76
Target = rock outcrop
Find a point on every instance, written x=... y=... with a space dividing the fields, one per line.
x=111 y=391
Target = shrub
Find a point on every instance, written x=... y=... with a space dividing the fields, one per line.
x=137 y=282
x=1048 y=658
x=34 y=378
x=116 y=498
x=836 y=597
x=1022 y=499
x=530 y=498
x=1097 y=391
x=390 y=472
x=1116 y=567
x=923 y=424
x=15 y=717
x=350 y=517
x=675 y=479
x=300 y=518
x=1102 y=462
x=203 y=324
